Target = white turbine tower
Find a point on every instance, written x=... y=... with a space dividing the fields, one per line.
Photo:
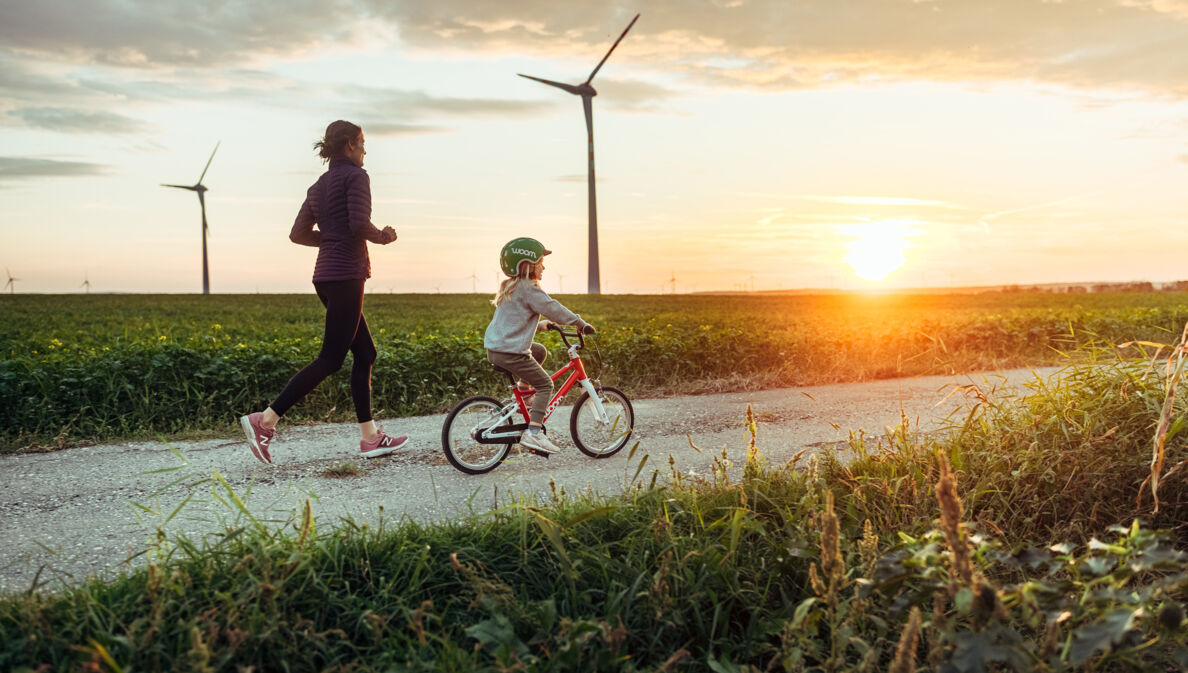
x=11 y=284
x=587 y=92
x=201 y=190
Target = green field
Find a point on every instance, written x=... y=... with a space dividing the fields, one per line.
x=83 y=368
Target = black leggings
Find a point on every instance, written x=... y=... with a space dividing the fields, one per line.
x=346 y=329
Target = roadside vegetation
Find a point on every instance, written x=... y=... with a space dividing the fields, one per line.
x=1026 y=538
x=86 y=368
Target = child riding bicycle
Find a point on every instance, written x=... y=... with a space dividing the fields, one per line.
x=519 y=305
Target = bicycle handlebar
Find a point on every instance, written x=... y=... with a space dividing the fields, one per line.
x=566 y=336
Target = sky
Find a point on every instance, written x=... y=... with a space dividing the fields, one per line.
x=739 y=144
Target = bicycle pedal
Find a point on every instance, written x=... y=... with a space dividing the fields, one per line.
x=543 y=454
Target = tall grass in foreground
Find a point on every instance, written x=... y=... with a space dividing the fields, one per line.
x=1011 y=544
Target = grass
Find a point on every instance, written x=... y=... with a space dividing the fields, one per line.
x=80 y=369
x=1014 y=542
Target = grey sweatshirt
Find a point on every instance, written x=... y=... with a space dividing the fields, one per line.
x=514 y=324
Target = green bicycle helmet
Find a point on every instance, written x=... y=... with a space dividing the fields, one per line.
x=519 y=250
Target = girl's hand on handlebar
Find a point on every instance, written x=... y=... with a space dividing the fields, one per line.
x=545 y=325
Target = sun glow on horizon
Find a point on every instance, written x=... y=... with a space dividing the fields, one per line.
x=876 y=247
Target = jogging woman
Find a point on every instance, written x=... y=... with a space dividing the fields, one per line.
x=340 y=204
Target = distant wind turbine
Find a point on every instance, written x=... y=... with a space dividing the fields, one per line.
x=587 y=92
x=673 y=281
x=560 y=283
x=473 y=278
x=86 y=283
x=201 y=189
x=11 y=284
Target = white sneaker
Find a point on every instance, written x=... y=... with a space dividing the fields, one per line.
x=538 y=441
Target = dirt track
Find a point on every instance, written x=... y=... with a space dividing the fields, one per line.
x=79 y=512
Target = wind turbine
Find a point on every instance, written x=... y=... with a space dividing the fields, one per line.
x=587 y=92
x=86 y=283
x=673 y=281
x=201 y=190
x=473 y=278
x=11 y=284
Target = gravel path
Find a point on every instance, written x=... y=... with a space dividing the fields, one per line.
x=71 y=514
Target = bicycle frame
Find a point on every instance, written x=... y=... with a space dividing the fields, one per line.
x=577 y=376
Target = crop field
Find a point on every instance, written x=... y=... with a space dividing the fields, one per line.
x=83 y=368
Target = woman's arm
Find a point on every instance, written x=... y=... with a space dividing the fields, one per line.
x=303 y=232
x=359 y=207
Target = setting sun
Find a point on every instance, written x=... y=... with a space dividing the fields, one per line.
x=876 y=248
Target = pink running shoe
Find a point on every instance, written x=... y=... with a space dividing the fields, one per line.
x=382 y=445
x=259 y=437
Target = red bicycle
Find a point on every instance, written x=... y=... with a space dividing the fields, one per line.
x=480 y=431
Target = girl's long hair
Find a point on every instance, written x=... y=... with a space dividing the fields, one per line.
x=509 y=285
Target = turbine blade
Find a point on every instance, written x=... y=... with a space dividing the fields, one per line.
x=560 y=85
x=608 y=53
x=179 y=186
x=216 y=149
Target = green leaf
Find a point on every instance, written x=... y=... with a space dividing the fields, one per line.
x=974 y=651
x=1064 y=548
x=495 y=630
x=721 y=666
x=1101 y=635
x=586 y=516
x=1156 y=557
x=964 y=600
x=1098 y=545
x=1097 y=566
x=802 y=611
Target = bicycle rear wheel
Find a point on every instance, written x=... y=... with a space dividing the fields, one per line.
x=459 y=432
x=594 y=437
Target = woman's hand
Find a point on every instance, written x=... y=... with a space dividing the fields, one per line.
x=389 y=235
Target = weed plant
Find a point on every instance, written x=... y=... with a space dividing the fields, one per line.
x=924 y=553
x=86 y=368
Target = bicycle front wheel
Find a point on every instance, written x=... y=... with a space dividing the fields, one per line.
x=600 y=438
x=459 y=436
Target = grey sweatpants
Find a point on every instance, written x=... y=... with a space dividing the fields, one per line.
x=528 y=368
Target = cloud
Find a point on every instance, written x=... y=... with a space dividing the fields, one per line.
x=389 y=129
x=766 y=44
x=813 y=43
x=20 y=168
x=67 y=120
x=272 y=90
x=406 y=104
x=632 y=95
x=149 y=33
